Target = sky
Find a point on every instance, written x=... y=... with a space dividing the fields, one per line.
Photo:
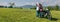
x=30 y=2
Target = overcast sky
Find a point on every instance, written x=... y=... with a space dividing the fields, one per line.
x=30 y=2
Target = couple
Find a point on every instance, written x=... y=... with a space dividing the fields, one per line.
x=39 y=10
x=42 y=13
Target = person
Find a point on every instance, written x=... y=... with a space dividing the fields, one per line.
x=37 y=9
x=41 y=10
x=47 y=14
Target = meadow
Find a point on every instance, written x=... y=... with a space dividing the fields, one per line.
x=24 y=15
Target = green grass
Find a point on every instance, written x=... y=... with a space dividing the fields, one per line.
x=24 y=15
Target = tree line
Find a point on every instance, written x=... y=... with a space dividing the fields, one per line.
x=56 y=7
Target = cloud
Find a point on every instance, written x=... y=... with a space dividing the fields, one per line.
x=48 y=2
x=31 y=2
x=3 y=4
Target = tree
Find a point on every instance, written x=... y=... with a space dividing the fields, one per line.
x=49 y=7
x=34 y=7
x=21 y=7
x=11 y=4
x=56 y=7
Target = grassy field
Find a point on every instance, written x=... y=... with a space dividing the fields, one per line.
x=24 y=15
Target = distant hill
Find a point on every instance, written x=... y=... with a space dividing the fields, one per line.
x=27 y=6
